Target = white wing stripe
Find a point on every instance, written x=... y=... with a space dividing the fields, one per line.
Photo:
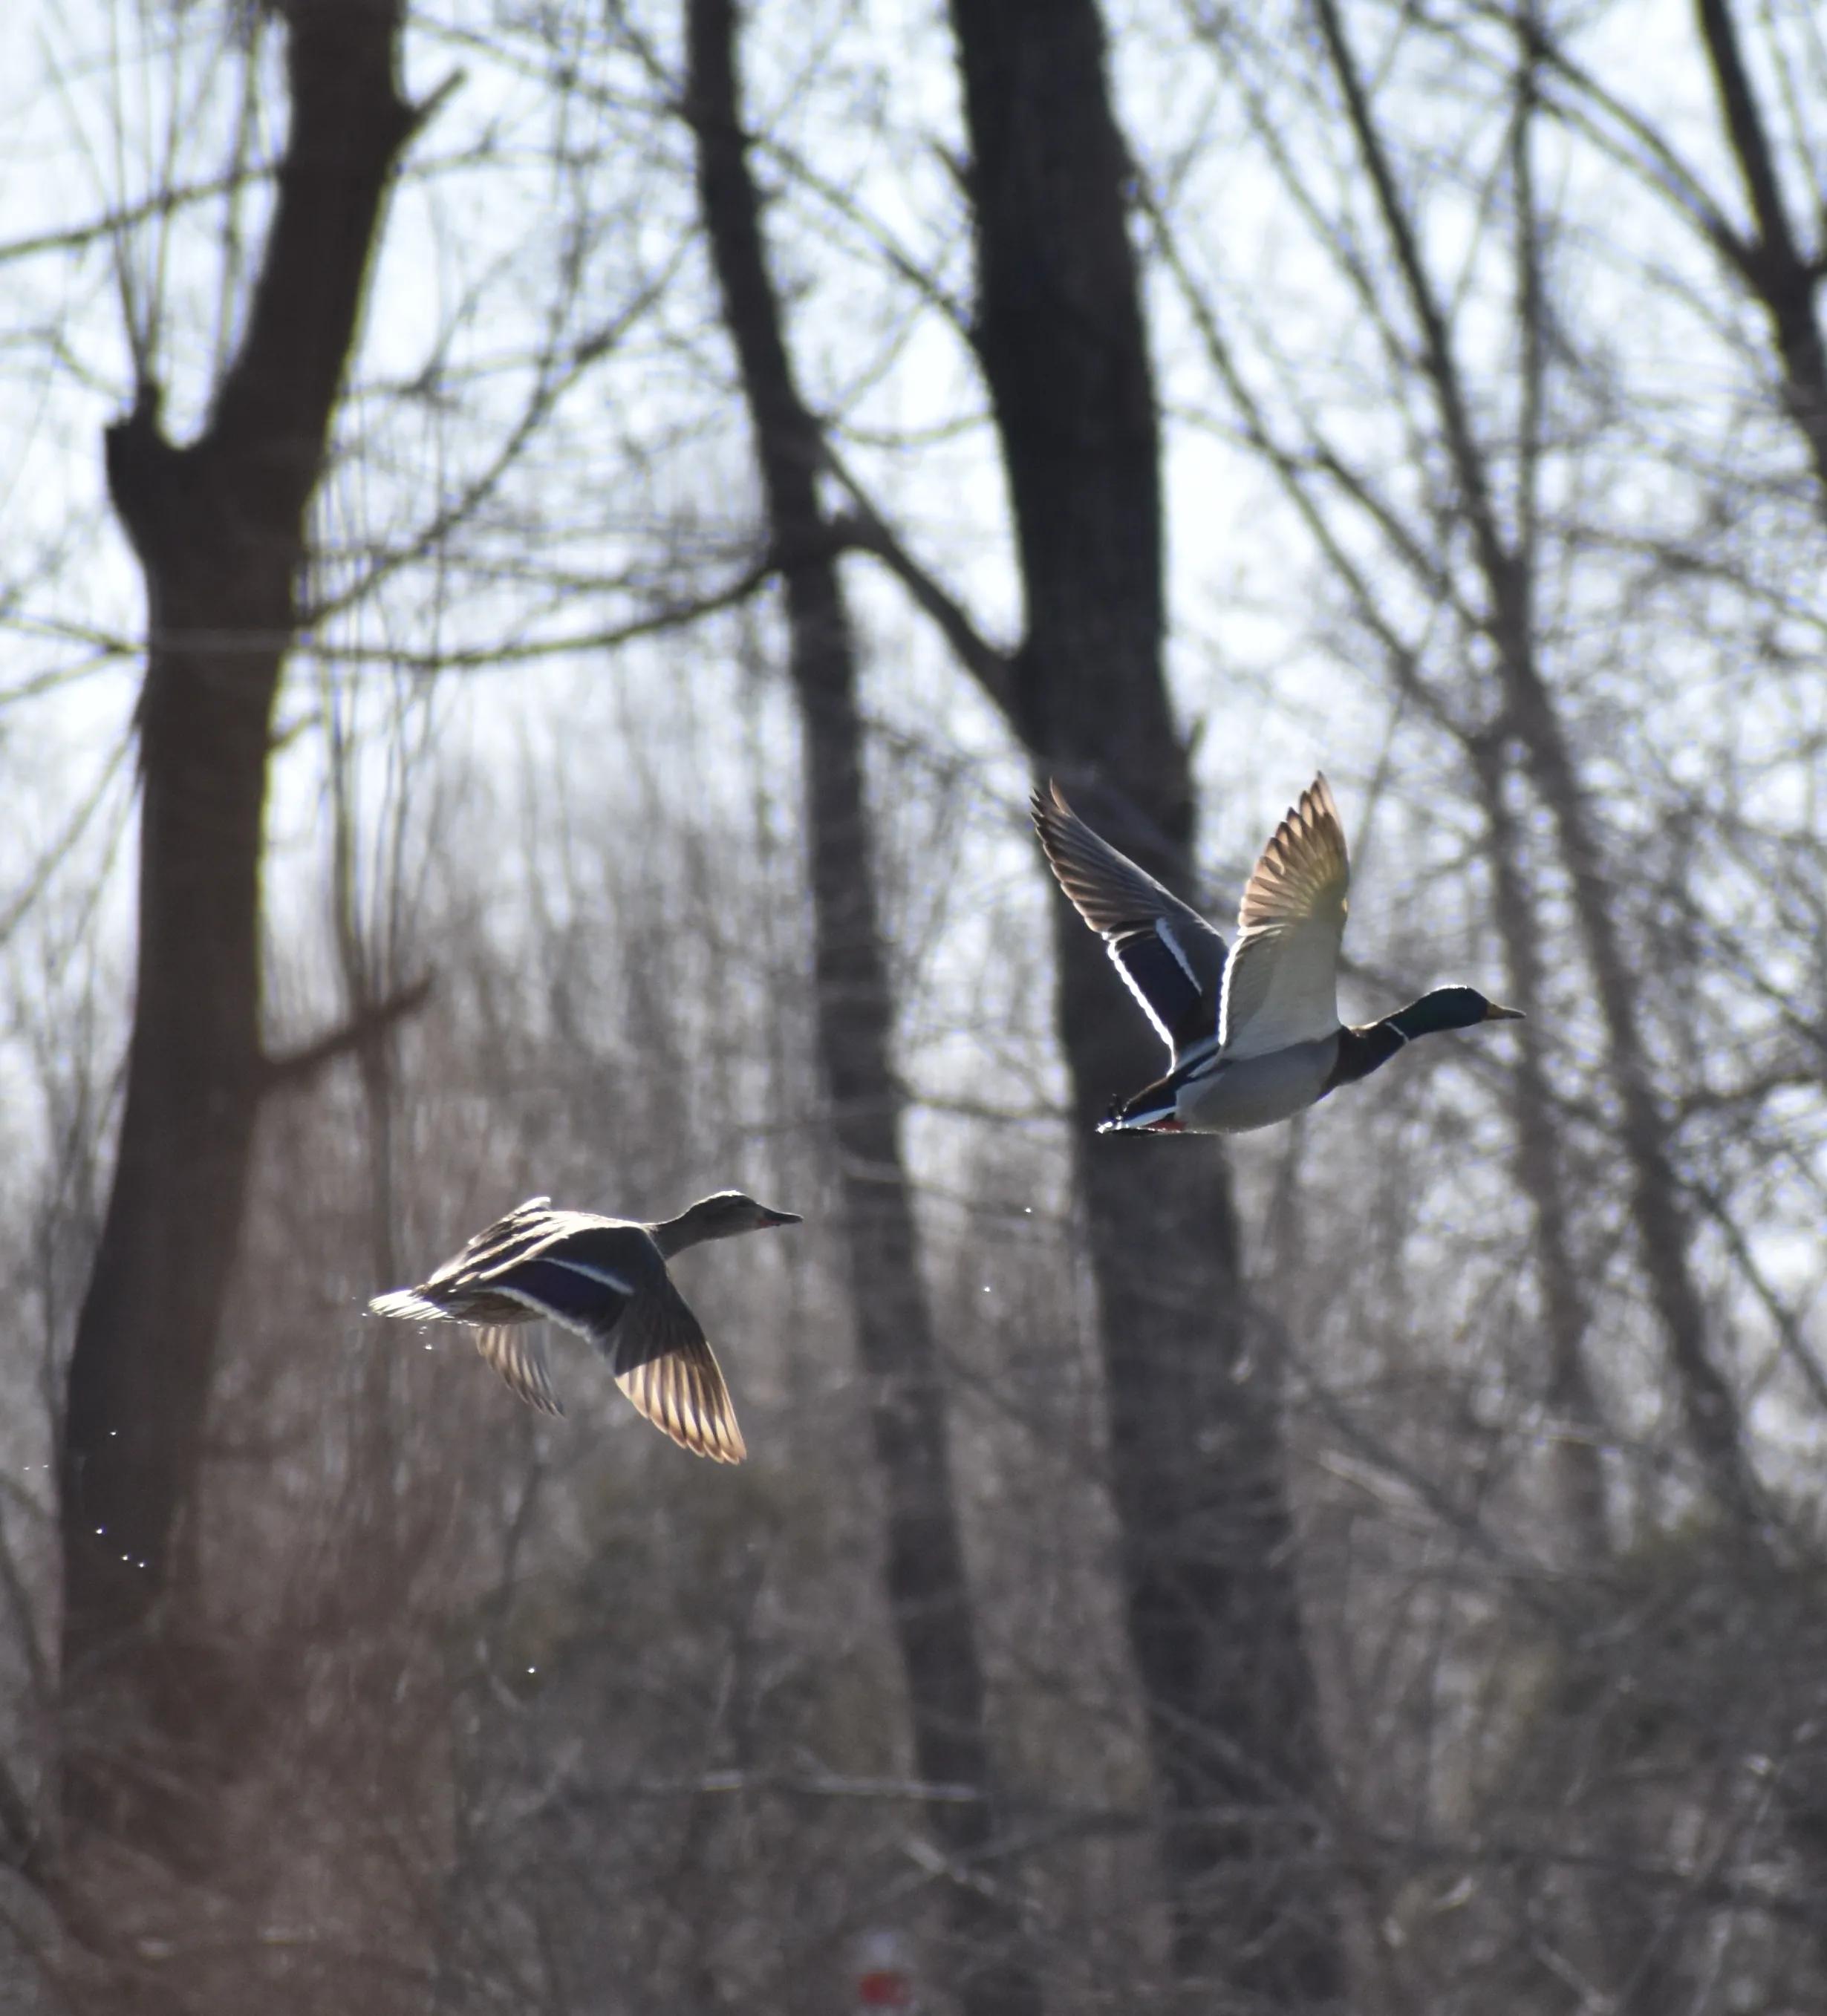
x=619 y=1282
x=559 y=1317
x=1164 y=931
x=1160 y=1028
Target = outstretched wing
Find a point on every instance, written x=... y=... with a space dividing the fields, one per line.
x=584 y=1274
x=1281 y=985
x=496 y=1244
x=668 y=1370
x=605 y=1279
x=640 y=1323
x=1171 y=958
x=519 y=1355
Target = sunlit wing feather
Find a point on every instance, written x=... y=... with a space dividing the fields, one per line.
x=684 y=1395
x=408 y=1305
x=583 y=1295
x=1170 y=958
x=1281 y=984
x=604 y=1279
x=668 y=1371
x=518 y=1354
x=496 y=1244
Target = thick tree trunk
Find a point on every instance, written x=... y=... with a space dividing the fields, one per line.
x=1196 y=1460
x=927 y=1590
x=219 y=527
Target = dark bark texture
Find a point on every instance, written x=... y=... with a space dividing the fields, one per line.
x=1566 y=1309
x=1532 y=718
x=219 y=527
x=928 y=1590
x=1784 y=282
x=1196 y=1458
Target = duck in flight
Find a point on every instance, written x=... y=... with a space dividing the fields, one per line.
x=1253 y=1034
x=606 y=1279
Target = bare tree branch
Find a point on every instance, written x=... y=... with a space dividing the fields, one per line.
x=288 y=1069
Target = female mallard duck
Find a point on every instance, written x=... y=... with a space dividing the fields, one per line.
x=1254 y=1036
x=606 y=1279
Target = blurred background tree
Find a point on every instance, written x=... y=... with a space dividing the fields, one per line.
x=618 y=548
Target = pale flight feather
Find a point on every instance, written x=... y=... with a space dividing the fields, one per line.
x=519 y=1355
x=1281 y=985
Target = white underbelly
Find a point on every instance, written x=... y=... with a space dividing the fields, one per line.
x=1257 y=1092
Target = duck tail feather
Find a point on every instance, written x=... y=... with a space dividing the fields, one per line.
x=408 y=1304
x=1151 y=1111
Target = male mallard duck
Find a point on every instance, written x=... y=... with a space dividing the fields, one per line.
x=1254 y=1037
x=606 y=1279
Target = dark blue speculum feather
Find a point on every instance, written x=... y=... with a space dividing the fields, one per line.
x=567 y=1294
x=1187 y=1013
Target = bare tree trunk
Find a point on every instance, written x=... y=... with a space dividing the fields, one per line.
x=1773 y=262
x=1566 y=1310
x=1533 y=721
x=1196 y=1460
x=1709 y=1407
x=1664 y=1235
x=1777 y=274
x=1635 y=1950
x=927 y=1590
x=219 y=527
